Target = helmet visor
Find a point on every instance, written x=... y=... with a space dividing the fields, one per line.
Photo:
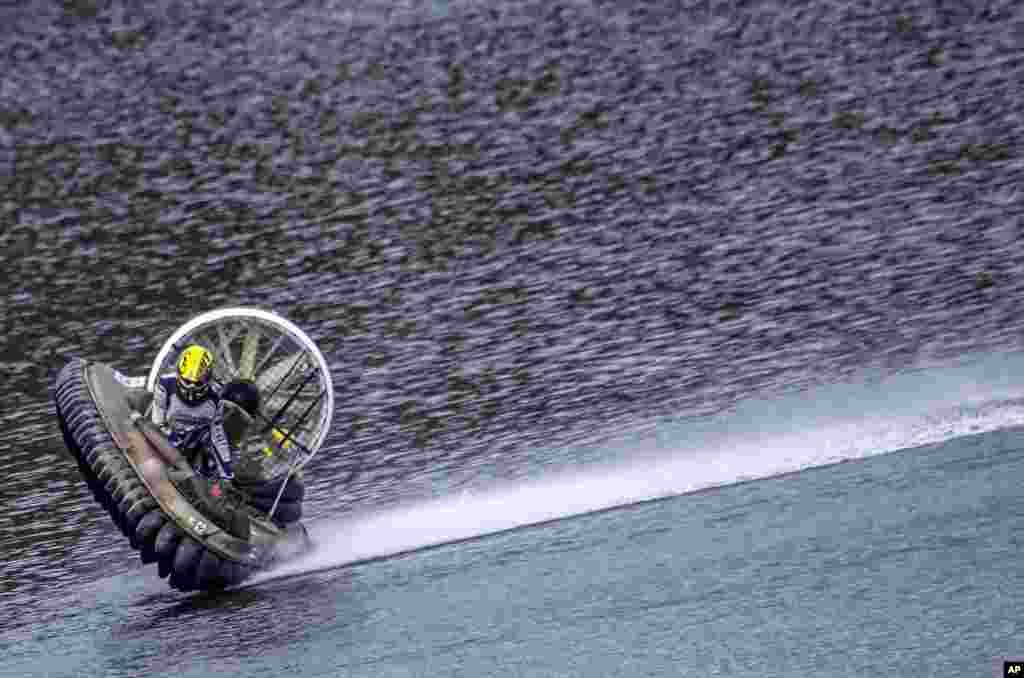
x=192 y=390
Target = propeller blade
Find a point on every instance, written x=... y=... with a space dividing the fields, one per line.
x=247 y=361
x=273 y=375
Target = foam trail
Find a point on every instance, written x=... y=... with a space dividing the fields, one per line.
x=758 y=440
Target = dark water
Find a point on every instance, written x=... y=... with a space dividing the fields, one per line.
x=512 y=227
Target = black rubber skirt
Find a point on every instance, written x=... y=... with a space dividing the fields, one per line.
x=188 y=564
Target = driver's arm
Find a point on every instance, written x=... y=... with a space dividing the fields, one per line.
x=220 y=445
x=160 y=398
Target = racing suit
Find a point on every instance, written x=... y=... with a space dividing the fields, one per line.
x=197 y=430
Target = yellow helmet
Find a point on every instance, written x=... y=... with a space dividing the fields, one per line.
x=194 y=370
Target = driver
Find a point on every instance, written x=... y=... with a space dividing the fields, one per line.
x=190 y=413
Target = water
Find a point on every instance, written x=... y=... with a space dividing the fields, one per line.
x=561 y=258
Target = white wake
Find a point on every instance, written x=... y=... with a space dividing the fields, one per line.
x=757 y=440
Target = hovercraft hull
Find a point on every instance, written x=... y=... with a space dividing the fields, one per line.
x=166 y=512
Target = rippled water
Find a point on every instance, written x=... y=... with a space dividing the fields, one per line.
x=510 y=226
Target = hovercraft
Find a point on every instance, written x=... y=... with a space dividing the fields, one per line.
x=278 y=403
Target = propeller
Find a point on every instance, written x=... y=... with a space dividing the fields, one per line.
x=277 y=375
x=247 y=361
